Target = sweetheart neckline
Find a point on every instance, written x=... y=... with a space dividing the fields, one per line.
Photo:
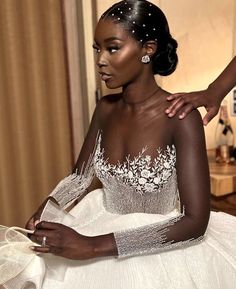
x=162 y=152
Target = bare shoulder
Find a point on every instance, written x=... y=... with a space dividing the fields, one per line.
x=190 y=128
x=192 y=120
x=107 y=104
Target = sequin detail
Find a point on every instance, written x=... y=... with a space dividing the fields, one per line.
x=142 y=173
x=150 y=239
x=74 y=185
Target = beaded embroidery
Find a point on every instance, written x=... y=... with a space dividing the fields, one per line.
x=142 y=173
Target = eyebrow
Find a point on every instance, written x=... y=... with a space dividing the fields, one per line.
x=110 y=39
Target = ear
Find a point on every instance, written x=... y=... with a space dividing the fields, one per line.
x=150 y=47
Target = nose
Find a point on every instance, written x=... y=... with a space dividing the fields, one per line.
x=101 y=61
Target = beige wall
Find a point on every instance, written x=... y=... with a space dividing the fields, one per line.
x=205 y=33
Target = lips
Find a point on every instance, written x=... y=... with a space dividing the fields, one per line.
x=105 y=76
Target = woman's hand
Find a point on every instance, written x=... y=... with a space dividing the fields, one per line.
x=184 y=103
x=62 y=241
x=35 y=218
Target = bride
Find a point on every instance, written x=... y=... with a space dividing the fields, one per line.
x=141 y=182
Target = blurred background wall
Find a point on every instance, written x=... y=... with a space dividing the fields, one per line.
x=36 y=130
x=49 y=86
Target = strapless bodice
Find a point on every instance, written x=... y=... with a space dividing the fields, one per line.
x=140 y=184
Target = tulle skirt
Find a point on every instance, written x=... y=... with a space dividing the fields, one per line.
x=210 y=264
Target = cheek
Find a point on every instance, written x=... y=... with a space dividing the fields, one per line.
x=126 y=61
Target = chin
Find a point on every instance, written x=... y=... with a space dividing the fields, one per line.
x=112 y=85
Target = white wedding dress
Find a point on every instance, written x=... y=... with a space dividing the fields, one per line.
x=139 y=203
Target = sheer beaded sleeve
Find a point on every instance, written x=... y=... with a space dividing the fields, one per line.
x=74 y=185
x=194 y=192
x=154 y=238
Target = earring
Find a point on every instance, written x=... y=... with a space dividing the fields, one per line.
x=146 y=59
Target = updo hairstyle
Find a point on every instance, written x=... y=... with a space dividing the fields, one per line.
x=145 y=21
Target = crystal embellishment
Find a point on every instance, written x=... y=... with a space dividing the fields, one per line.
x=141 y=172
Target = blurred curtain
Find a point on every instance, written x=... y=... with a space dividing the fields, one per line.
x=36 y=146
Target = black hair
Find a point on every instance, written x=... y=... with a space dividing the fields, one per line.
x=145 y=21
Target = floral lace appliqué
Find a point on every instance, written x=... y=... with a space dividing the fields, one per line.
x=141 y=172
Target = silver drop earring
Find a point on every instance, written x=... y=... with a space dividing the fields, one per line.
x=146 y=59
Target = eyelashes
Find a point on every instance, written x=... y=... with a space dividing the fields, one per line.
x=110 y=49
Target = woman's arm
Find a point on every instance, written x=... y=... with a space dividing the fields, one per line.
x=194 y=191
x=186 y=229
x=209 y=98
x=76 y=184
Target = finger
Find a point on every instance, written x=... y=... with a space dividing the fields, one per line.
x=41 y=249
x=36 y=222
x=175 y=96
x=209 y=116
x=38 y=236
x=175 y=107
x=48 y=225
x=37 y=239
x=53 y=237
x=172 y=105
x=30 y=224
x=186 y=110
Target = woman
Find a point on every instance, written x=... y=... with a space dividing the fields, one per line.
x=153 y=208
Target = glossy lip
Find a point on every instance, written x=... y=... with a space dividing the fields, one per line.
x=105 y=76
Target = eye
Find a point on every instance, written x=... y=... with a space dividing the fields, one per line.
x=113 y=49
x=97 y=50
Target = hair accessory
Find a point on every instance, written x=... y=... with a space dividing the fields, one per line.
x=147 y=35
x=146 y=59
x=154 y=29
x=133 y=31
x=129 y=8
x=144 y=25
x=134 y=22
x=118 y=18
x=149 y=14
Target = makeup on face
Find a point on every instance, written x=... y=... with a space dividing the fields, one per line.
x=118 y=54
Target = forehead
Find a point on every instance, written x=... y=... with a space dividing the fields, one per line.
x=108 y=30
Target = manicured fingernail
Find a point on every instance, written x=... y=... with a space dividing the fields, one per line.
x=167 y=111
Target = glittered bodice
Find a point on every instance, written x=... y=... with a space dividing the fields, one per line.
x=140 y=184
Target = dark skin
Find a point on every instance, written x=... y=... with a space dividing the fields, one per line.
x=210 y=98
x=138 y=113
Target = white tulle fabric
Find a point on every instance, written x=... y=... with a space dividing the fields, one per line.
x=210 y=264
x=133 y=196
x=20 y=267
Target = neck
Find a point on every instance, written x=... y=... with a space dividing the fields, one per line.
x=139 y=93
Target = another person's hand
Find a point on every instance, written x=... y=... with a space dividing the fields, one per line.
x=63 y=241
x=184 y=103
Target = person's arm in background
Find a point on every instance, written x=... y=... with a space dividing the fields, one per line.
x=210 y=98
